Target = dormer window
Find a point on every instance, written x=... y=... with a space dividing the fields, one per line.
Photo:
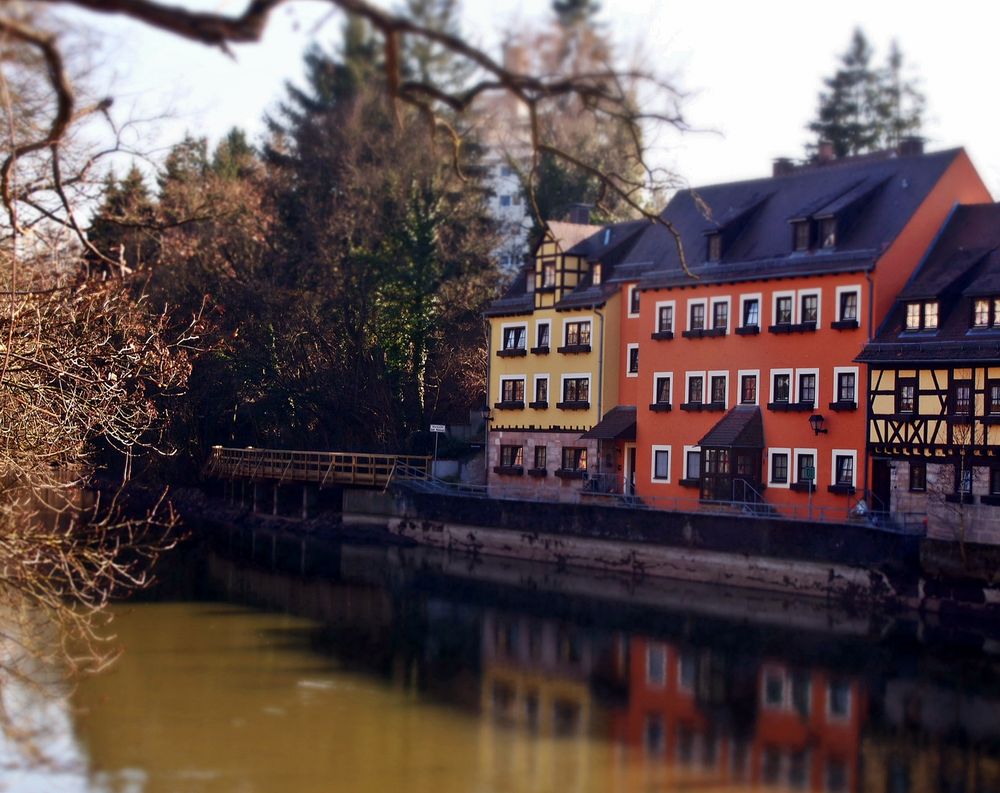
x=596 y=275
x=922 y=316
x=802 y=236
x=986 y=313
x=714 y=247
x=828 y=232
x=548 y=274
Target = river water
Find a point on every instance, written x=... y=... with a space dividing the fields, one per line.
x=378 y=670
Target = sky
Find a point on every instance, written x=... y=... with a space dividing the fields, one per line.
x=751 y=71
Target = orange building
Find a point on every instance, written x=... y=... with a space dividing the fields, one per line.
x=784 y=726
x=744 y=378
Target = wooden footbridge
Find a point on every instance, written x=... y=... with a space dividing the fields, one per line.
x=326 y=469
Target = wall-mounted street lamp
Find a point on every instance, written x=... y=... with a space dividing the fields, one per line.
x=816 y=422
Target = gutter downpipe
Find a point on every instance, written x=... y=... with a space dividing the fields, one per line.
x=600 y=383
x=871 y=336
x=486 y=420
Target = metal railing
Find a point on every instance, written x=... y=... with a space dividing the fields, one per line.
x=325 y=468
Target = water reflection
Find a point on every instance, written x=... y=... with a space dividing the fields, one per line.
x=414 y=671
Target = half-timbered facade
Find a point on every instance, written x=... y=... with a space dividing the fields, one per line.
x=554 y=363
x=934 y=395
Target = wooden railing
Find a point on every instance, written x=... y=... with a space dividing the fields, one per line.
x=326 y=468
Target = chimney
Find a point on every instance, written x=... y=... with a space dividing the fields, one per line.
x=579 y=213
x=783 y=166
x=910 y=146
x=824 y=152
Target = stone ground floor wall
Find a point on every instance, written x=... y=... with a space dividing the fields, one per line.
x=529 y=484
x=976 y=520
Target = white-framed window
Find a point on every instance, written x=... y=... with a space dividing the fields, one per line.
x=687 y=670
x=748 y=383
x=838 y=699
x=633 y=301
x=781 y=386
x=660 y=471
x=666 y=316
x=779 y=465
x=845 y=384
x=692 y=462
x=577 y=330
x=697 y=313
x=718 y=386
x=514 y=337
x=848 y=305
x=575 y=387
x=807 y=386
x=809 y=304
x=656 y=664
x=694 y=388
x=543 y=333
x=540 y=388
x=720 y=314
x=512 y=388
x=750 y=310
x=663 y=383
x=844 y=467
x=802 y=459
x=783 y=308
x=631 y=360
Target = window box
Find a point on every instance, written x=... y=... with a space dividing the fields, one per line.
x=574 y=349
x=518 y=405
x=843 y=406
x=660 y=407
x=539 y=405
x=845 y=324
x=960 y=498
x=546 y=289
x=509 y=470
x=805 y=327
x=695 y=407
x=847 y=490
x=662 y=335
x=538 y=473
x=990 y=501
x=790 y=407
x=512 y=352
x=803 y=487
x=715 y=407
x=748 y=330
x=689 y=482
x=787 y=327
x=574 y=405
x=784 y=327
x=715 y=333
x=540 y=350
x=570 y=473
x=693 y=334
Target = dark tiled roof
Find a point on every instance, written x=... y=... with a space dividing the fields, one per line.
x=741 y=428
x=874 y=198
x=516 y=300
x=962 y=264
x=618 y=424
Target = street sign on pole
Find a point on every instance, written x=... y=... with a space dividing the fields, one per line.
x=437 y=429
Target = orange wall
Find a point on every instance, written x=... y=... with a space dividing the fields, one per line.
x=959 y=184
x=823 y=349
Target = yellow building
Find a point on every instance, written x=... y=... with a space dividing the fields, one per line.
x=554 y=362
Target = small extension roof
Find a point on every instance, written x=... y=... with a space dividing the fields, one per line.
x=741 y=428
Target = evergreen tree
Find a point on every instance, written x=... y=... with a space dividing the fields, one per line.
x=427 y=61
x=570 y=13
x=864 y=108
x=123 y=228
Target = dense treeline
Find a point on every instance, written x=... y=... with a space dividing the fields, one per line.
x=344 y=268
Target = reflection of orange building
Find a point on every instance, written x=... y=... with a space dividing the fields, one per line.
x=808 y=729
x=804 y=730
